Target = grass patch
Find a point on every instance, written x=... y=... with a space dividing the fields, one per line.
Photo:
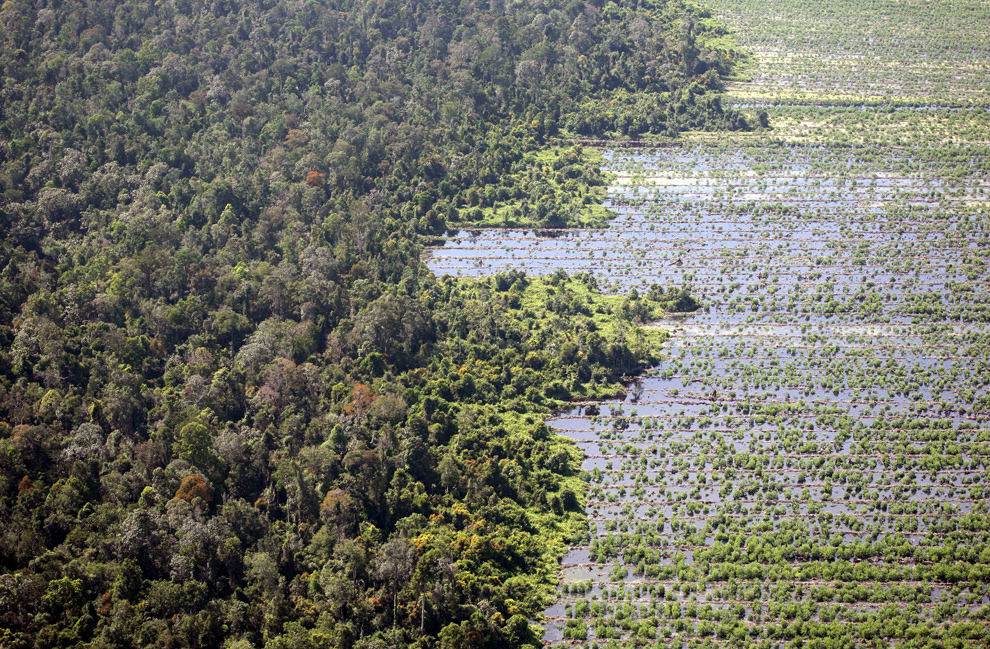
x=552 y=188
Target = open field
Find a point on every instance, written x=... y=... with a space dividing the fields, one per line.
x=879 y=52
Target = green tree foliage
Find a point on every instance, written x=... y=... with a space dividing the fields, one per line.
x=236 y=406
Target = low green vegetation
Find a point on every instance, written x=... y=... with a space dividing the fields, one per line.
x=547 y=188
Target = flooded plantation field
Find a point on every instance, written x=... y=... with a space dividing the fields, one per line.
x=807 y=465
x=813 y=449
x=770 y=227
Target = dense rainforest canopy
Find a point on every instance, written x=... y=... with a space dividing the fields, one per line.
x=235 y=407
